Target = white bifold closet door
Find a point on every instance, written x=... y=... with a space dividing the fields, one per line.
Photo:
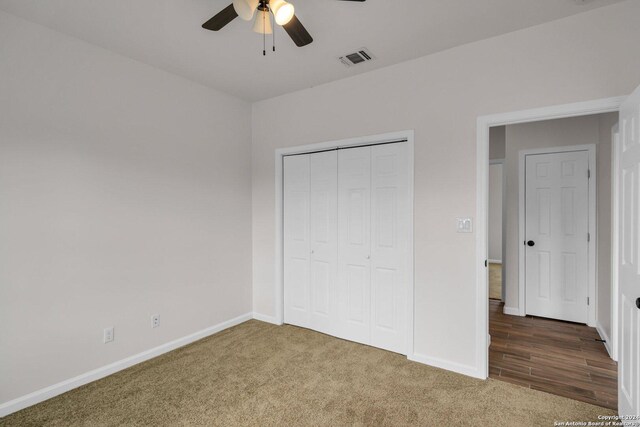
x=354 y=244
x=346 y=243
x=373 y=227
x=310 y=240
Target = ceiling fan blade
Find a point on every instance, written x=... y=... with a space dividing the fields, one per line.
x=297 y=32
x=216 y=23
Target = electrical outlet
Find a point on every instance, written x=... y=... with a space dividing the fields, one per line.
x=155 y=320
x=108 y=335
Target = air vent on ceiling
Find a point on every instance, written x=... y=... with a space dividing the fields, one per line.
x=359 y=57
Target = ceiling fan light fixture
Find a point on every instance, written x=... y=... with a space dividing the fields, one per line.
x=262 y=25
x=245 y=8
x=282 y=10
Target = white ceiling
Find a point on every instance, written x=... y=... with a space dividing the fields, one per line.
x=168 y=34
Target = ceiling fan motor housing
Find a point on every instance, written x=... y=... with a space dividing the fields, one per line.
x=283 y=12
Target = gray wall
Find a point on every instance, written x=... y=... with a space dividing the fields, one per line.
x=496 y=175
x=497 y=151
x=603 y=309
x=497 y=142
x=125 y=192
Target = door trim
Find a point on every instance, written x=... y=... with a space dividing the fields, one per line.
x=280 y=153
x=592 y=293
x=484 y=123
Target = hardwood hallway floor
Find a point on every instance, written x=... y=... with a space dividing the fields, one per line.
x=560 y=358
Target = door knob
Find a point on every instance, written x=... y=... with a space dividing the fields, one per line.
x=638 y=303
x=368 y=256
x=531 y=243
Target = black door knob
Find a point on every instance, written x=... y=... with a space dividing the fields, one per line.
x=531 y=243
x=638 y=303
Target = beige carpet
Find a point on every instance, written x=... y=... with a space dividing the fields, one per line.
x=260 y=374
x=495 y=281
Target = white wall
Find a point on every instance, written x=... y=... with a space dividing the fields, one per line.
x=495 y=211
x=124 y=193
x=555 y=133
x=584 y=57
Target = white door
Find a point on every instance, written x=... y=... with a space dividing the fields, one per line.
x=354 y=244
x=556 y=233
x=629 y=258
x=323 y=232
x=389 y=246
x=310 y=240
x=347 y=254
x=296 y=240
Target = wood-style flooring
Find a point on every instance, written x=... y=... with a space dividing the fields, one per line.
x=560 y=358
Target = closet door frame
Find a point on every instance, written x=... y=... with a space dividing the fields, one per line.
x=406 y=137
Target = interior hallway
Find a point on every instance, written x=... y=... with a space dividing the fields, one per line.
x=557 y=357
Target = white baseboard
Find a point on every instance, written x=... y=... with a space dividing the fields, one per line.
x=495 y=261
x=459 y=368
x=265 y=318
x=605 y=337
x=512 y=311
x=75 y=382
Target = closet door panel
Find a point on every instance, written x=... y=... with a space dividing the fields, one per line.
x=354 y=244
x=346 y=254
x=389 y=250
x=323 y=240
x=296 y=240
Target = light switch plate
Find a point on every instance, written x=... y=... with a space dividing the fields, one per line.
x=464 y=225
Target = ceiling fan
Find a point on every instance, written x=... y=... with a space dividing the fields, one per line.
x=282 y=11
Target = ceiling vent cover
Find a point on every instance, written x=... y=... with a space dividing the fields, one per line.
x=359 y=57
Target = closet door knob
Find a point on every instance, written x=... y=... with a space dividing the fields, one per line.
x=531 y=243
x=368 y=256
x=638 y=303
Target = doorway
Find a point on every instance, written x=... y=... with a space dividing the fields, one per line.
x=542 y=335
